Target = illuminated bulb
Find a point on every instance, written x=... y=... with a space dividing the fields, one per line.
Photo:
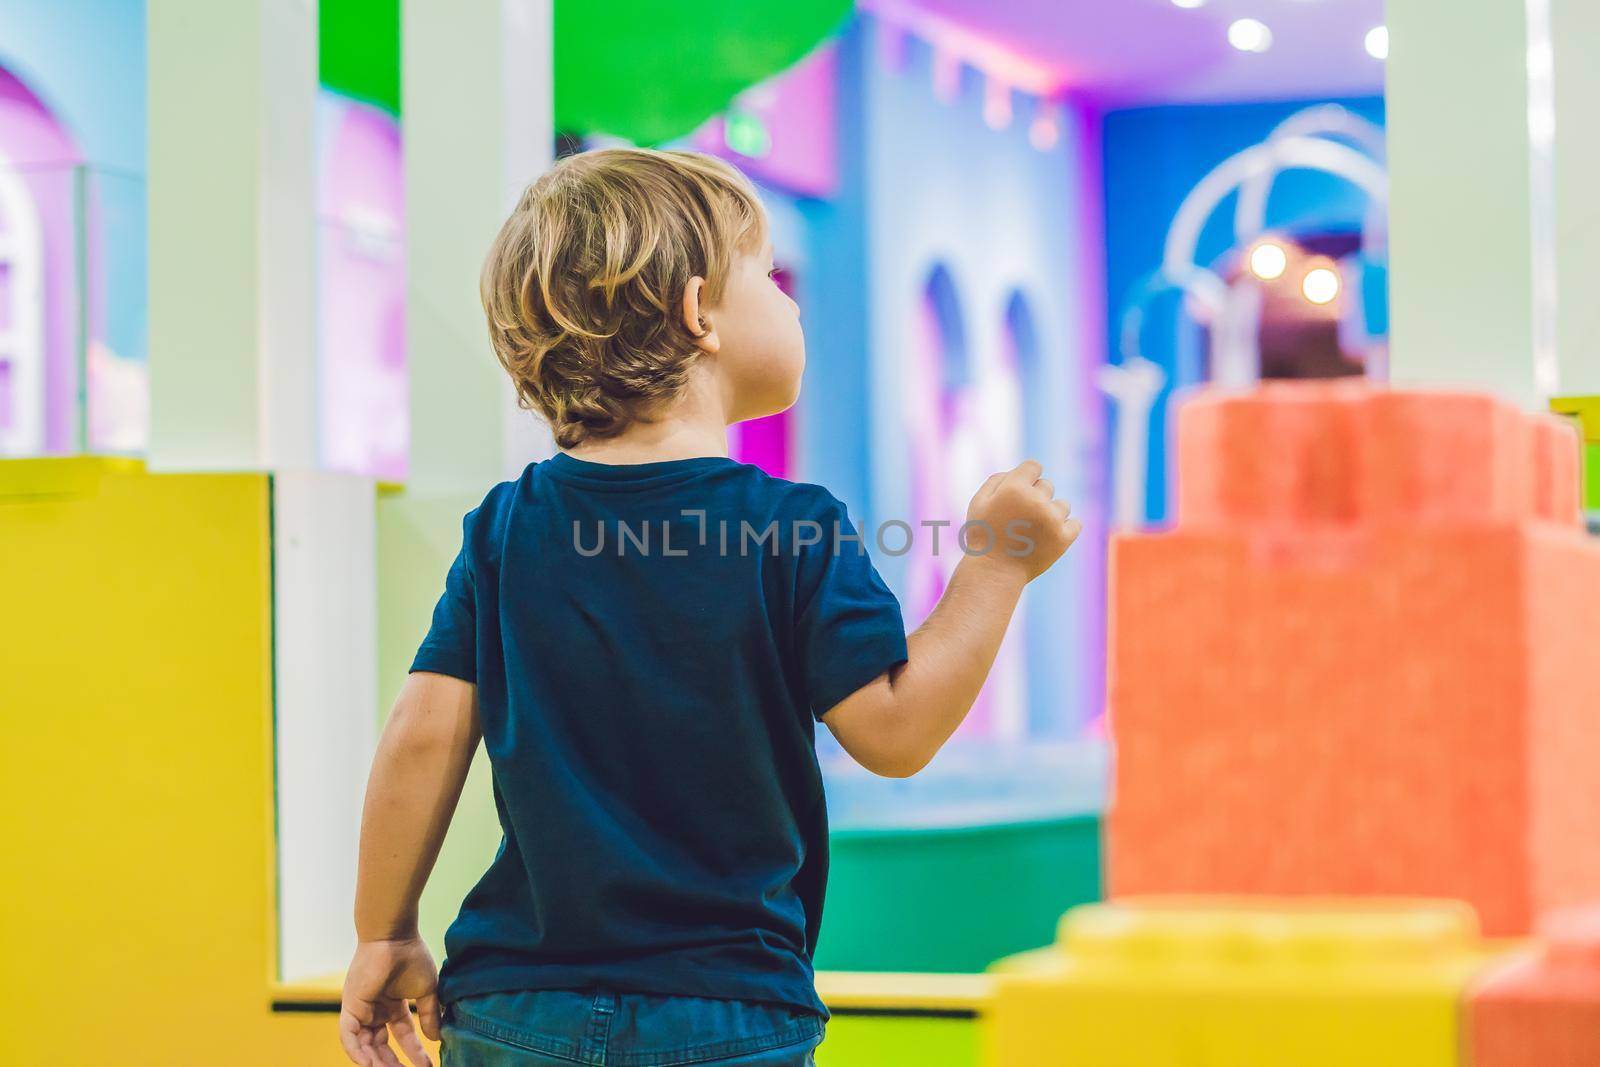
x=746 y=134
x=1250 y=35
x=1045 y=130
x=1043 y=133
x=1188 y=3
x=1321 y=285
x=997 y=104
x=946 y=76
x=1268 y=261
x=1378 y=42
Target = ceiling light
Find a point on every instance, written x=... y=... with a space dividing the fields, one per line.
x=1321 y=285
x=1378 y=42
x=1188 y=3
x=1268 y=261
x=1250 y=35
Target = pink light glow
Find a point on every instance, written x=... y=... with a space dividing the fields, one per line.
x=798 y=110
x=365 y=425
x=927 y=415
x=42 y=158
x=996 y=103
x=1044 y=132
x=957 y=438
x=946 y=75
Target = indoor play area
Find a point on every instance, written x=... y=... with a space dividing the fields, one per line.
x=1291 y=760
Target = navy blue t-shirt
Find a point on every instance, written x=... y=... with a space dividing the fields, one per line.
x=653 y=645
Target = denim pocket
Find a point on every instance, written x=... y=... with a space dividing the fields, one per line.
x=462 y=1047
x=550 y=1021
x=629 y=1030
x=656 y=1031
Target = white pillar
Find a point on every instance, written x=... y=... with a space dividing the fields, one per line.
x=1132 y=386
x=1494 y=152
x=325 y=693
x=476 y=97
x=1575 y=36
x=476 y=103
x=233 y=353
x=232 y=93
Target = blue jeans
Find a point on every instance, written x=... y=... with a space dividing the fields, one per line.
x=564 y=1027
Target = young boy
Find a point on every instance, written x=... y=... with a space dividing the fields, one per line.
x=644 y=633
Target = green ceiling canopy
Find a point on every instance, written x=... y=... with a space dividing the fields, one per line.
x=652 y=70
x=647 y=70
x=359 y=49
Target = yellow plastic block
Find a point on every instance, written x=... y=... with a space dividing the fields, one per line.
x=63 y=476
x=1171 y=982
x=1586 y=409
x=136 y=700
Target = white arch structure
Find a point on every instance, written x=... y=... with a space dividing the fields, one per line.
x=22 y=338
x=1322 y=121
x=1304 y=141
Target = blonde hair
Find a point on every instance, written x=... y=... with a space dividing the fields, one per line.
x=584 y=284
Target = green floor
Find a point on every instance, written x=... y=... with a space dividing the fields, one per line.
x=871 y=1041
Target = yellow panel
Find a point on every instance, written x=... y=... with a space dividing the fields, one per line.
x=1586 y=409
x=135 y=650
x=908 y=1018
x=1258 y=983
x=889 y=991
x=876 y=991
x=69 y=477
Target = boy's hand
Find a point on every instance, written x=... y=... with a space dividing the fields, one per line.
x=382 y=978
x=1030 y=529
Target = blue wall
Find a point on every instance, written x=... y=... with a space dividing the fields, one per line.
x=86 y=60
x=927 y=184
x=1153 y=158
x=835 y=403
x=944 y=189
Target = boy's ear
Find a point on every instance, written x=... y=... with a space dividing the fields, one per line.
x=697 y=320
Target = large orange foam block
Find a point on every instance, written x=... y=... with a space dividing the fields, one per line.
x=1542 y=1008
x=1364 y=661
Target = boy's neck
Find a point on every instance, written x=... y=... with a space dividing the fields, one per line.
x=692 y=426
x=655 y=442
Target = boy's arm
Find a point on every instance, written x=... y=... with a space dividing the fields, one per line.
x=896 y=723
x=417 y=775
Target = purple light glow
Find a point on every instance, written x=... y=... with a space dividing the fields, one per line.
x=1091 y=547
x=1151 y=51
x=768 y=443
x=6 y=399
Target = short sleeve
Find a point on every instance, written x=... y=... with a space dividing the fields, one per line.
x=848 y=626
x=451 y=645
